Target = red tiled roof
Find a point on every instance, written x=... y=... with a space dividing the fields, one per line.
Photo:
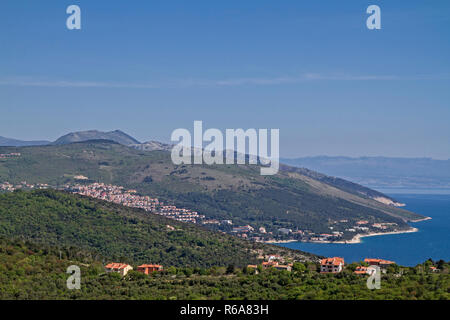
x=360 y=270
x=116 y=265
x=150 y=266
x=378 y=261
x=335 y=261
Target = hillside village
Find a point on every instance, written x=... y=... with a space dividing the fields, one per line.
x=9 y=155
x=130 y=198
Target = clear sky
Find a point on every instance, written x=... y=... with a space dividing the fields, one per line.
x=310 y=68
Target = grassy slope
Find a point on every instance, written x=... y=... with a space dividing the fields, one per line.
x=288 y=199
x=120 y=233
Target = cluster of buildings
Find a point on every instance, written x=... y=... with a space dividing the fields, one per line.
x=384 y=225
x=217 y=222
x=328 y=265
x=115 y=194
x=123 y=268
x=273 y=261
x=243 y=229
x=129 y=198
x=331 y=265
x=364 y=225
x=336 y=265
x=6 y=186
x=9 y=155
x=336 y=233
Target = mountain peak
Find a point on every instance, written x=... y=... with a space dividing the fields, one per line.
x=80 y=136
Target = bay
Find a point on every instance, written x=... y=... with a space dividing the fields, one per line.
x=408 y=249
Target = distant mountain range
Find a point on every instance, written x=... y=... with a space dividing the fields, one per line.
x=8 y=142
x=372 y=172
x=382 y=172
x=117 y=136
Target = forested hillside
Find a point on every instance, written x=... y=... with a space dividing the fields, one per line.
x=29 y=271
x=115 y=232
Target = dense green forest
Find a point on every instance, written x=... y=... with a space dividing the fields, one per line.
x=115 y=232
x=30 y=271
x=293 y=198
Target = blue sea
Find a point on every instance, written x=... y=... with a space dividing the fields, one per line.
x=408 y=249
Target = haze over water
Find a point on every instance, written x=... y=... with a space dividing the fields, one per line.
x=408 y=249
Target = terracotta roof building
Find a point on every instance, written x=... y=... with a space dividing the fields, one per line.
x=364 y=270
x=149 y=268
x=378 y=262
x=331 y=265
x=121 y=268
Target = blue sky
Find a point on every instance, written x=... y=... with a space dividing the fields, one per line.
x=310 y=68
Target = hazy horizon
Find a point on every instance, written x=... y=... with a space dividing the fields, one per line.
x=282 y=156
x=315 y=72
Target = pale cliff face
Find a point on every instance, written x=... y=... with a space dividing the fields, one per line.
x=389 y=202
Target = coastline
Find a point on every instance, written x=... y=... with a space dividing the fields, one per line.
x=419 y=220
x=355 y=239
x=281 y=241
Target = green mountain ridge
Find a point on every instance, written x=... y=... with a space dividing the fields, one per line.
x=290 y=199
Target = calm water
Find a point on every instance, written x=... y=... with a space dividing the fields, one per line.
x=408 y=249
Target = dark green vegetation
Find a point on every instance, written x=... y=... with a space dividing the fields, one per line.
x=289 y=199
x=115 y=232
x=28 y=271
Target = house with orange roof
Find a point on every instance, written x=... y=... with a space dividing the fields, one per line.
x=360 y=270
x=149 y=268
x=269 y=264
x=379 y=262
x=118 y=267
x=364 y=270
x=331 y=265
x=434 y=269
